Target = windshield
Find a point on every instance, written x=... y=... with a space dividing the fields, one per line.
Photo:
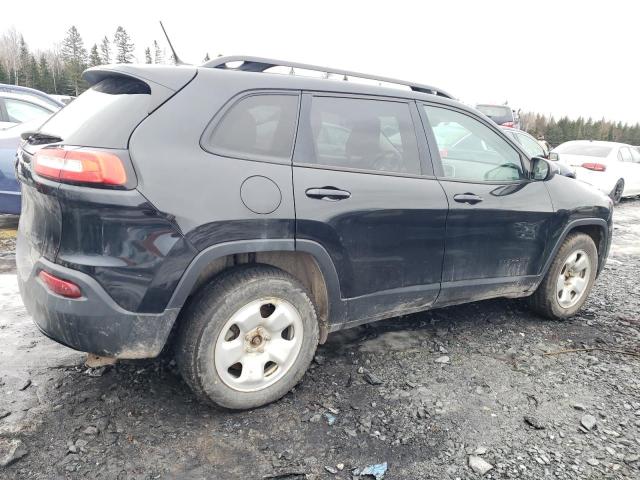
x=584 y=149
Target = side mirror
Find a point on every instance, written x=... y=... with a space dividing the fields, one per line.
x=541 y=169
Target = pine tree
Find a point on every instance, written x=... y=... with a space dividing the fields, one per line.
x=206 y=57
x=124 y=46
x=4 y=76
x=105 y=51
x=74 y=56
x=147 y=55
x=46 y=80
x=94 y=56
x=158 y=57
x=24 y=77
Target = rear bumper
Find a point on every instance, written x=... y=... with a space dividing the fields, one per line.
x=93 y=323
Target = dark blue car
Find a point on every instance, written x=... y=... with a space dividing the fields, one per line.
x=9 y=186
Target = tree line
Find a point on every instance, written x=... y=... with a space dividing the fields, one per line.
x=564 y=129
x=58 y=69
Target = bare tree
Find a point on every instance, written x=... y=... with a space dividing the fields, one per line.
x=10 y=53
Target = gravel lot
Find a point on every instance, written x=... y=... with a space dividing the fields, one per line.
x=438 y=395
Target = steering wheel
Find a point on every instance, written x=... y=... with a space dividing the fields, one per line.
x=388 y=162
x=489 y=176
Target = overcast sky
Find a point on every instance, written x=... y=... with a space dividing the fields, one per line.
x=561 y=57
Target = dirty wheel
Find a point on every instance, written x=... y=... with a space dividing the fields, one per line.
x=568 y=282
x=247 y=338
x=616 y=193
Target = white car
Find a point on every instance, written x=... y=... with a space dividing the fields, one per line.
x=613 y=168
x=17 y=108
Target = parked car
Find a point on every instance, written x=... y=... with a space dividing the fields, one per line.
x=503 y=115
x=286 y=208
x=10 y=139
x=18 y=108
x=51 y=100
x=613 y=168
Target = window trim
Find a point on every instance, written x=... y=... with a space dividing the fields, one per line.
x=525 y=162
x=234 y=100
x=305 y=149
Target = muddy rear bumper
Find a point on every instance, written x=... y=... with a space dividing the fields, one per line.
x=93 y=323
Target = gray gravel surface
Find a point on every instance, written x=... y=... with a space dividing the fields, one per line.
x=464 y=392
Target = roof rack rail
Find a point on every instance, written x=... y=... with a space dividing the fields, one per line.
x=259 y=64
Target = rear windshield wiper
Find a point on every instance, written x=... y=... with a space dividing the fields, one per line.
x=39 y=138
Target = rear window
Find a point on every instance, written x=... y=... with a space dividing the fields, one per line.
x=103 y=116
x=495 y=110
x=585 y=149
x=260 y=127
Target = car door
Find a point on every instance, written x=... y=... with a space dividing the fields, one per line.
x=365 y=191
x=499 y=220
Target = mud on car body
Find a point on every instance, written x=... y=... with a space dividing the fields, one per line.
x=253 y=213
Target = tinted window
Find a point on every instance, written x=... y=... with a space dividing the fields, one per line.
x=530 y=146
x=585 y=149
x=104 y=115
x=19 y=111
x=258 y=126
x=472 y=151
x=364 y=134
x=625 y=154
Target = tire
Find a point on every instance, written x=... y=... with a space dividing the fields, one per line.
x=616 y=193
x=553 y=298
x=242 y=310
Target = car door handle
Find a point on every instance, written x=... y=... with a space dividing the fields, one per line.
x=327 y=193
x=470 y=198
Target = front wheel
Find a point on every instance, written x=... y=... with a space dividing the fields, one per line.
x=247 y=338
x=567 y=284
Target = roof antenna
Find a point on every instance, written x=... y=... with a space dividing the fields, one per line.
x=176 y=60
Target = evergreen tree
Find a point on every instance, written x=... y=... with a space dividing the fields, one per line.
x=46 y=80
x=105 y=51
x=4 y=76
x=206 y=57
x=147 y=55
x=74 y=56
x=124 y=46
x=24 y=77
x=158 y=57
x=94 y=56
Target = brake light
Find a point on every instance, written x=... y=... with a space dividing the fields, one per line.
x=62 y=287
x=508 y=124
x=596 y=167
x=83 y=166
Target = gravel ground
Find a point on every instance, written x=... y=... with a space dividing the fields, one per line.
x=438 y=395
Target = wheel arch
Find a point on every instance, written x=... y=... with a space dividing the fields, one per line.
x=596 y=228
x=309 y=263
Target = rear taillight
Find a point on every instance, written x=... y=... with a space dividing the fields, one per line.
x=508 y=124
x=596 y=167
x=82 y=166
x=59 y=286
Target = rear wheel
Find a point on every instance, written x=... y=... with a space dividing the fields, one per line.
x=567 y=284
x=247 y=338
x=616 y=193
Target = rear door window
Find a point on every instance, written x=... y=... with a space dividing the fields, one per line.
x=625 y=154
x=260 y=127
x=470 y=150
x=20 y=112
x=364 y=134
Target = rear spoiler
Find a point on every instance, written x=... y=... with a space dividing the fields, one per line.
x=163 y=80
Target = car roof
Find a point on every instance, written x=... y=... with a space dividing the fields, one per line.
x=25 y=97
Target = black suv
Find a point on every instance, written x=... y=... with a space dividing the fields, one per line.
x=252 y=213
